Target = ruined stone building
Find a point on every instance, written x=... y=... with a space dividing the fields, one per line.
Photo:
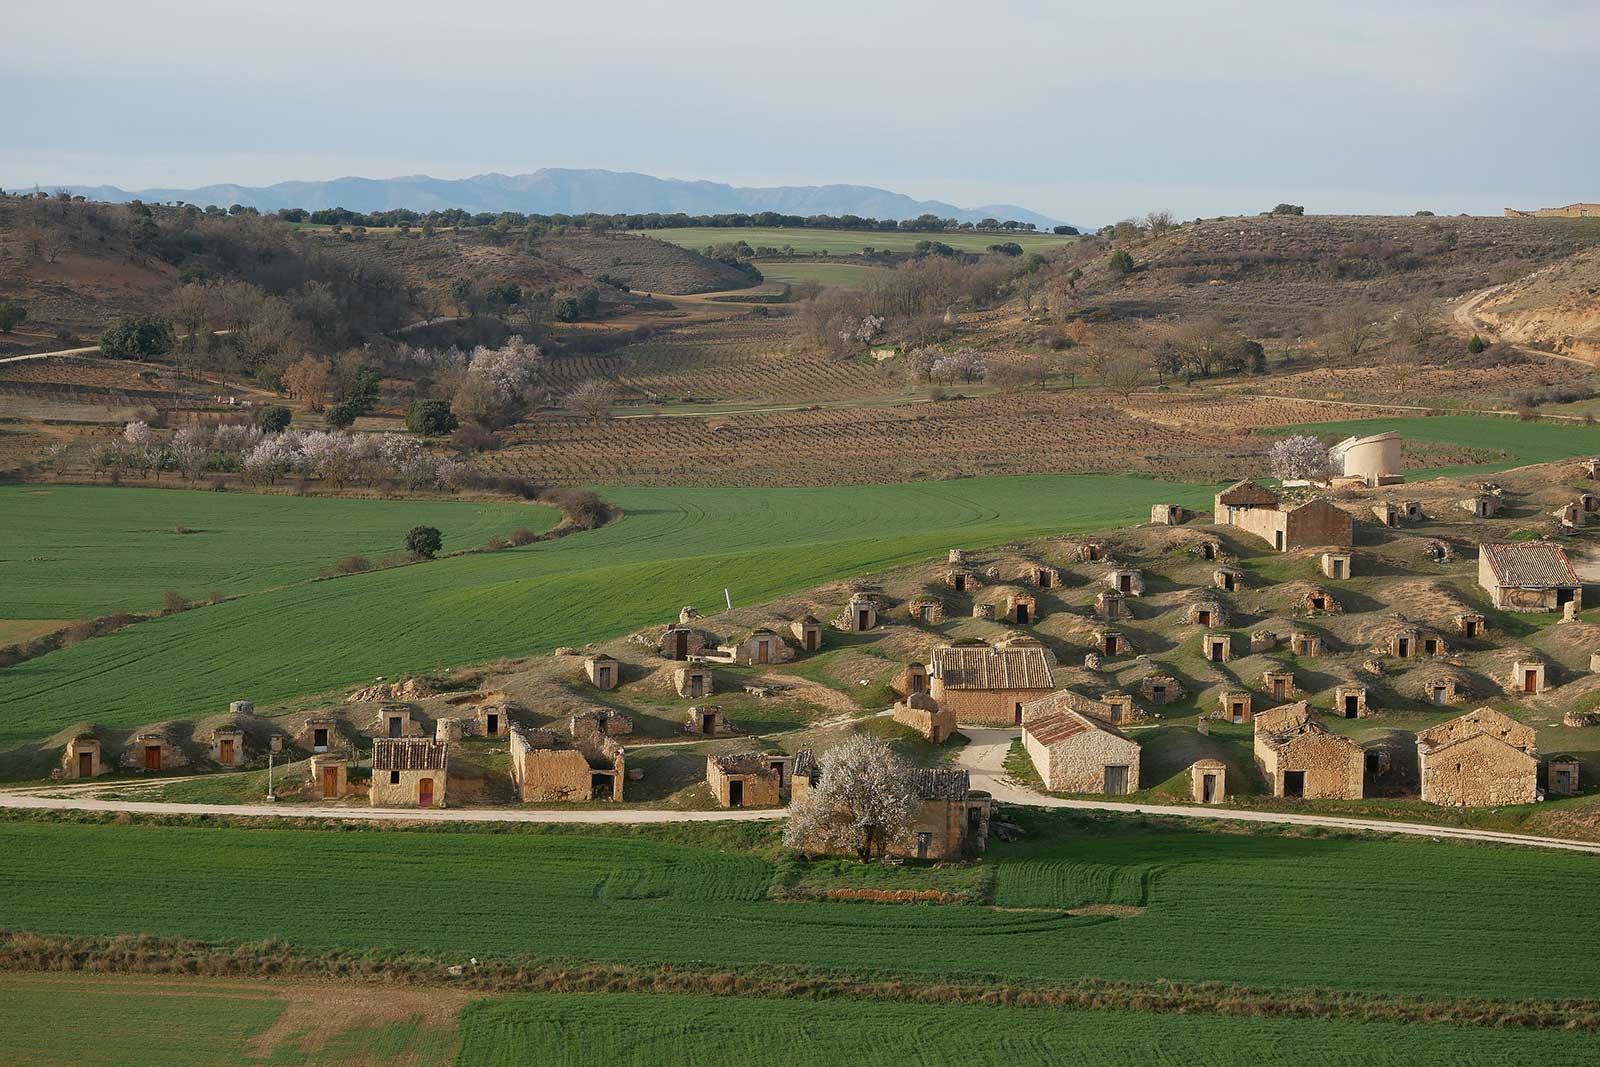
x=1299 y=757
x=988 y=686
x=682 y=642
x=322 y=733
x=748 y=779
x=923 y=714
x=1479 y=759
x=1528 y=576
x=548 y=767
x=708 y=720
x=1168 y=514
x=409 y=772
x=1259 y=511
x=1372 y=461
x=395 y=721
x=1078 y=753
x=860 y=614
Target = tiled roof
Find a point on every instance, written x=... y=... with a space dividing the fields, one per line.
x=991 y=668
x=408 y=754
x=941 y=784
x=1055 y=726
x=1529 y=565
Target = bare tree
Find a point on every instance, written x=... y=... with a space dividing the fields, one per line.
x=1417 y=324
x=592 y=399
x=1348 y=330
x=865 y=803
x=1158 y=222
x=1121 y=371
x=307 y=382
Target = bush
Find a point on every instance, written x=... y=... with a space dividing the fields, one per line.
x=524 y=536
x=475 y=439
x=138 y=336
x=497 y=543
x=172 y=602
x=354 y=565
x=1288 y=209
x=424 y=542
x=274 y=419
x=11 y=315
x=431 y=418
x=1476 y=345
x=1007 y=248
x=342 y=414
x=1121 y=262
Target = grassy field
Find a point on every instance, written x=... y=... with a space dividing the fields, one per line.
x=73 y=551
x=1263 y=909
x=674 y=547
x=51 y=1020
x=846 y=242
x=639 y=1030
x=843 y=275
x=1522 y=442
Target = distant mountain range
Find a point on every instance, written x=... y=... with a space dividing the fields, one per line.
x=550 y=191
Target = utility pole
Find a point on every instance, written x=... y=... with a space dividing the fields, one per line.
x=269 y=777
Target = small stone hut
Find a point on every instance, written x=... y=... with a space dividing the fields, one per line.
x=1210 y=614
x=1021 y=608
x=953 y=822
x=1078 y=753
x=912 y=678
x=409 y=772
x=807 y=631
x=1299 y=757
x=1470 y=624
x=1128 y=581
x=82 y=757
x=859 y=615
x=1350 y=700
x=1217 y=647
x=759 y=647
x=1278 y=683
x=747 y=779
x=330 y=775
x=1337 y=565
x=1562 y=777
x=1160 y=689
x=1111 y=643
x=1208 y=781
x=1228 y=579
x=1235 y=705
x=1527 y=676
x=962 y=580
x=694 y=681
x=925 y=609
x=395 y=720
x=1480 y=759
x=152 y=750
x=322 y=733
x=227 y=746
x=1111 y=605
x=1168 y=514
x=708 y=720
x=602 y=671
x=682 y=642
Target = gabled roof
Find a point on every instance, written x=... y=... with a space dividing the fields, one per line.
x=1481 y=721
x=1283 y=717
x=940 y=784
x=1479 y=739
x=1053 y=727
x=1246 y=493
x=992 y=668
x=1529 y=565
x=408 y=754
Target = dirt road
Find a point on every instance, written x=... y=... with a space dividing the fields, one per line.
x=1466 y=316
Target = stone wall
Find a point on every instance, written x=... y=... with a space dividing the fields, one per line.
x=983 y=707
x=1078 y=764
x=935 y=724
x=1479 y=771
x=1334 y=767
x=401 y=789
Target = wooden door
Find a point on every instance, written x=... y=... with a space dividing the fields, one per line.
x=1116 y=780
x=225 y=751
x=763 y=655
x=811 y=640
x=1530 y=681
x=861 y=620
x=86 y=765
x=603 y=676
x=152 y=757
x=425 y=792
x=330 y=783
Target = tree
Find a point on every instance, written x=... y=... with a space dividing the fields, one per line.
x=1158 y=222
x=431 y=418
x=1121 y=262
x=424 y=542
x=461 y=294
x=11 y=315
x=307 y=381
x=1476 y=345
x=1301 y=456
x=592 y=399
x=1121 y=372
x=865 y=803
x=137 y=336
x=1417 y=324
x=1288 y=209
x=1348 y=330
x=274 y=419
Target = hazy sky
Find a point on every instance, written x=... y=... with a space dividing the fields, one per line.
x=1087 y=112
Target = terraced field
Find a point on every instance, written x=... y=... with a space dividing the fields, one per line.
x=664 y=1031
x=846 y=242
x=674 y=547
x=1265 y=910
x=70 y=551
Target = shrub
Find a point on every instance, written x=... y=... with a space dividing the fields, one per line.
x=1121 y=261
x=1476 y=345
x=497 y=543
x=182 y=530
x=274 y=419
x=172 y=602
x=524 y=536
x=1288 y=209
x=431 y=418
x=354 y=565
x=474 y=438
x=424 y=542
x=342 y=414
x=137 y=336
x=11 y=315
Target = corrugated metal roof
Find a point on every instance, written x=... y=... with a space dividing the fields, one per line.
x=1529 y=565
x=992 y=668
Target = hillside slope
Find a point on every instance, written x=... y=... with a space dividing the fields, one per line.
x=1556 y=308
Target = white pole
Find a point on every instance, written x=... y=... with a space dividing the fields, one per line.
x=728 y=597
x=269 y=777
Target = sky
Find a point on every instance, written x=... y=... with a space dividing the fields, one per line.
x=1084 y=112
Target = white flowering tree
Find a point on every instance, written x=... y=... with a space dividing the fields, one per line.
x=1300 y=456
x=865 y=802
